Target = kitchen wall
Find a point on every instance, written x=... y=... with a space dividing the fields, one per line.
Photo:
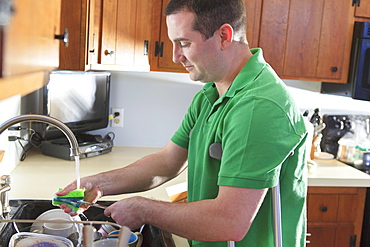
x=154 y=104
x=9 y=108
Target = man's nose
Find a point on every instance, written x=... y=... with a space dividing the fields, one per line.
x=178 y=55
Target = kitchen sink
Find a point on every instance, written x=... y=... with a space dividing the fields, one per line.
x=31 y=209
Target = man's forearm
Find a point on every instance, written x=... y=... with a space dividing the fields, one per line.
x=227 y=217
x=144 y=174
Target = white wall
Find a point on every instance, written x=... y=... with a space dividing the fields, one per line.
x=9 y=108
x=307 y=95
x=154 y=104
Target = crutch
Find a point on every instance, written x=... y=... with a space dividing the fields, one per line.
x=215 y=151
x=276 y=207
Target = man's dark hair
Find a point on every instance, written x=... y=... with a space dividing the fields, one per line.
x=210 y=15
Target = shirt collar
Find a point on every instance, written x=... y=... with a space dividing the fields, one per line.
x=249 y=72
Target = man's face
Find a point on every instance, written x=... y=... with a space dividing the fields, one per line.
x=199 y=57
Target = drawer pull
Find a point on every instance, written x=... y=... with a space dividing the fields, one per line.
x=63 y=37
x=324 y=209
x=108 y=53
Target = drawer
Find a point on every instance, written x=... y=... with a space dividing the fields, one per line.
x=332 y=207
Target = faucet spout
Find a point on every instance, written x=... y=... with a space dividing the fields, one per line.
x=45 y=119
x=5 y=185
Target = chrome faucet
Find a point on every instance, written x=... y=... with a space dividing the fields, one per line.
x=5 y=186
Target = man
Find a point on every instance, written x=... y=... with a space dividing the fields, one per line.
x=241 y=135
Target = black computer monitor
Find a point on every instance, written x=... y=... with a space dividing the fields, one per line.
x=78 y=99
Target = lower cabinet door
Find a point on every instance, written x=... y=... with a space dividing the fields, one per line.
x=331 y=236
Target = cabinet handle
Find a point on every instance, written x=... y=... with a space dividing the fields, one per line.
x=334 y=69
x=158 y=49
x=146 y=47
x=356 y=1
x=108 y=53
x=352 y=240
x=324 y=209
x=63 y=37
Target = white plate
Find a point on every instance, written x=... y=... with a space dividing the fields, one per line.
x=324 y=156
x=26 y=239
x=53 y=214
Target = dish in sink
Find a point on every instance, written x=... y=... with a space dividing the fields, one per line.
x=31 y=209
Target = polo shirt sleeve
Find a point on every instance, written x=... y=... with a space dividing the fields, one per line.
x=258 y=135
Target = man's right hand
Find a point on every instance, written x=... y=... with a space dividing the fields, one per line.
x=91 y=194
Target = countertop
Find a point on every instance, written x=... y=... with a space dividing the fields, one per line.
x=334 y=173
x=39 y=176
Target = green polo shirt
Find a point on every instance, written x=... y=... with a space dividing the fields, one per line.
x=262 y=135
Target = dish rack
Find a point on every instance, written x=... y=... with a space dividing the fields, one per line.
x=86 y=230
x=24 y=211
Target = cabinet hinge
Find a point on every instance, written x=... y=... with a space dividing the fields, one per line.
x=352 y=240
x=158 y=49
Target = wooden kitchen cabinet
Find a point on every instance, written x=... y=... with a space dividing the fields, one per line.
x=308 y=40
x=363 y=8
x=28 y=48
x=334 y=216
x=74 y=16
x=161 y=47
x=112 y=35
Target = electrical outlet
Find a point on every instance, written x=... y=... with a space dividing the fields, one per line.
x=14 y=131
x=117 y=120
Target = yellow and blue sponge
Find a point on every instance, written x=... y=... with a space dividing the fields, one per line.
x=71 y=199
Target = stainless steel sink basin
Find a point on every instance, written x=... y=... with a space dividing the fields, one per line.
x=31 y=209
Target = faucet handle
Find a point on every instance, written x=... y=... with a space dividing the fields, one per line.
x=5 y=209
x=5 y=180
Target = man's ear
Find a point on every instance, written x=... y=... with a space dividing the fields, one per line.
x=226 y=33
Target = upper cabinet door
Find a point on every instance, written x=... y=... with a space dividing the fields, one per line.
x=253 y=10
x=74 y=15
x=308 y=39
x=335 y=41
x=273 y=32
x=125 y=35
x=109 y=35
x=133 y=32
x=28 y=42
x=161 y=48
x=28 y=48
x=143 y=33
x=363 y=9
x=109 y=31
